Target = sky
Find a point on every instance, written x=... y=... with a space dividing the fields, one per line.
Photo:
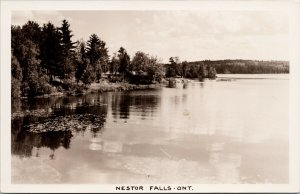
x=190 y=35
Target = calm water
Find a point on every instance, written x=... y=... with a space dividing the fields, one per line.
x=224 y=131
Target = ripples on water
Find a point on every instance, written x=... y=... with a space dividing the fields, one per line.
x=213 y=132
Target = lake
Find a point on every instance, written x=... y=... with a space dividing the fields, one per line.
x=231 y=130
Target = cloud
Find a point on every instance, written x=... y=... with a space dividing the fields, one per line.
x=191 y=35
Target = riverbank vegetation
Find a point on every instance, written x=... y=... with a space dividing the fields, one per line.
x=45 y=60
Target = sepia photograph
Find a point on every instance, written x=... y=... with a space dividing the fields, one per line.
x=149 y=99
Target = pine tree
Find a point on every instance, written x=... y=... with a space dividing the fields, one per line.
x=97 y=54
x=67 y=47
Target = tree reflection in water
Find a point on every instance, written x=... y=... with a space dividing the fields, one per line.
x=123 y=103
x=50 y=122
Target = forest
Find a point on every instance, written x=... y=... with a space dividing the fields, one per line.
x=247 y=66
x=45 y=60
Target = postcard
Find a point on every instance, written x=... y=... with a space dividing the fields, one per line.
x=150 y=96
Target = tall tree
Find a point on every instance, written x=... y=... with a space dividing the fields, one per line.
x=124 y=61
x=114 y=64
x=98 y=55
x=66 y=38
x=173 y=67
x=67 y=48
x=26 y=43
x=184 y=67
x=51 y=51
x=30 y=65
x=104 y=59
x=82 y=61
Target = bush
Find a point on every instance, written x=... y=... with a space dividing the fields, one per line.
x=114 y=78
x=43 y=86
x=88 y=77
x=140 y=79
x=68 y=85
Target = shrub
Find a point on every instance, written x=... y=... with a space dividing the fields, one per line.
x=43 y=86
x=68 y=85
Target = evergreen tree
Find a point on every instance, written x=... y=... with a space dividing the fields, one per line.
x=98 y=55
x=67 y=47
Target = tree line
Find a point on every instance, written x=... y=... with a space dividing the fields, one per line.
x=44 y=59
x=239 y=66
x=209 y=69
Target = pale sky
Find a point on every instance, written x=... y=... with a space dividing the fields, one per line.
x=190 y=35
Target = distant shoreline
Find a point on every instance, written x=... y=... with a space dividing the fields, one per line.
x=250 y=76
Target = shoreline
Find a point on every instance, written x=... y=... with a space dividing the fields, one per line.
x=106 y=86
x=100 y=88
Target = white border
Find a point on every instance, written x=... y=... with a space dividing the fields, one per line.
x=292 y=7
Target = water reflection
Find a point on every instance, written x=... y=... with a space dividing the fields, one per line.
x=51 y=122
x=202 y=133
x=23 y=141
x=122 y=103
